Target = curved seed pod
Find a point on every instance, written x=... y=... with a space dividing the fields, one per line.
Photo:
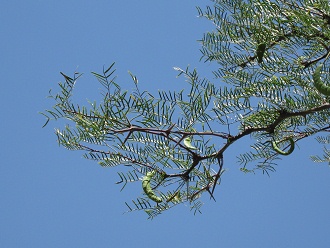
x=319 y=85
x=279 y=151
x=187 y=143
x=261 y=48
x=147 y=188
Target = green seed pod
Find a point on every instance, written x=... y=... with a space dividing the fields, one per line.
x=279 y=151
x=319 y=85
x=147 y=188
x=187 y=143
x=261 y=48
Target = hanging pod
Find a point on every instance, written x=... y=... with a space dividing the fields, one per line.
x=319 y=85
x=147 y=187
x=279 y=151
x=187 y=143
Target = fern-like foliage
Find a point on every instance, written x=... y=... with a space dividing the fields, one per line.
x=266 y=52
x=326 y=155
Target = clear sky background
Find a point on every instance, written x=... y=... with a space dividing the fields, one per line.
x=51 y=197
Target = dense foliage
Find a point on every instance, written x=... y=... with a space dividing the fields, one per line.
x=272 y=84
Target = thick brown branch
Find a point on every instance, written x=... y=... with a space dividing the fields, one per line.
x=282 y=116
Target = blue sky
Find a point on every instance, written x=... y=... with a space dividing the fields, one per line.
x=51 y=197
